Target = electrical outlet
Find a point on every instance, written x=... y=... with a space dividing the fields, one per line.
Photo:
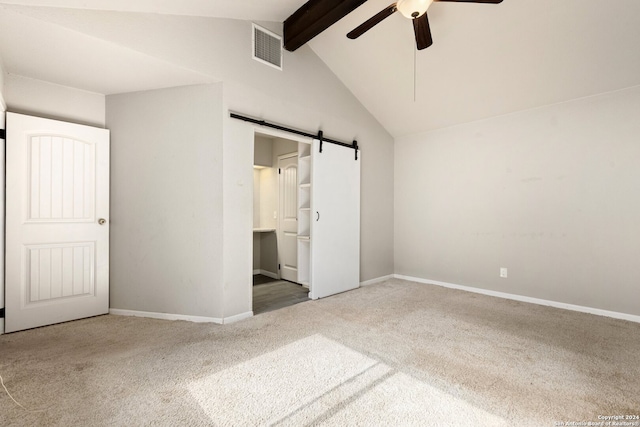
x=503 y=272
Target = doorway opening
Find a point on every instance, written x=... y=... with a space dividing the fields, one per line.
x=275 y=224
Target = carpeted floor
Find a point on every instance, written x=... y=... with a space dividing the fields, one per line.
x=395 y=353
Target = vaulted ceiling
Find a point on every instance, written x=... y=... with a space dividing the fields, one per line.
x=486 y=60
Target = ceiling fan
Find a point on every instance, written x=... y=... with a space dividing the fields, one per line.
x=416 y=10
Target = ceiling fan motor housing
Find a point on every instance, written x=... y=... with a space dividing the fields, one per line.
x=413 y=9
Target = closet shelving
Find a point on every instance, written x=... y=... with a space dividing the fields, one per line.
x=304 y=213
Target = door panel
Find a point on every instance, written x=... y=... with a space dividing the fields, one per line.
x=288 y=221
x=57 y=246
x=62 y=173
x=335 y=229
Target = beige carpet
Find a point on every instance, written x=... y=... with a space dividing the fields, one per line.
x=396 y=353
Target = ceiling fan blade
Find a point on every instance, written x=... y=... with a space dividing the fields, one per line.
x=423 y=32
x=475 y=1
x=373 y=21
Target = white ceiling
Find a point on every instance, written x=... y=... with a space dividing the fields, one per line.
x=486 y=60
x=260 y=10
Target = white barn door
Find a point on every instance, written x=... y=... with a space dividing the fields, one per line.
x=335 y=229
x=57 y=217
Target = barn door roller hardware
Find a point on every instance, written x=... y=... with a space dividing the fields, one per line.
x=354 y=145
x=319 y=136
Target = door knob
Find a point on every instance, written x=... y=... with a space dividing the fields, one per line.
x=102 y=221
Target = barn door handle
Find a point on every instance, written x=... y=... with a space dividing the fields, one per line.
x=102 y=221
x=318 y=218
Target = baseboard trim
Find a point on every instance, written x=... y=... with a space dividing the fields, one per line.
x=256 y=272
x=531 y=300
x=165 y=316
x=269 y=274
x=376 y=280
x=237 y=317
x=1 y=326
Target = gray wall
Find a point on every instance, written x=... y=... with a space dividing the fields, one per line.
x=262 y=151
x=166 y=200
x=550 y=193
x=269 y=252
x=305 y=95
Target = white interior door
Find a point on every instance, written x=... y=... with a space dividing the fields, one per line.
x=335 y=229
x=57 y=216
x=288 y=217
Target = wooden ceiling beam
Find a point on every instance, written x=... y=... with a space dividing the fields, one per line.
x=314 y=17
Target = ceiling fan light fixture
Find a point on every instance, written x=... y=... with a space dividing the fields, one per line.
x=413 y=8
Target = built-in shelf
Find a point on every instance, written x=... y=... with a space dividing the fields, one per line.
x=263 y=230
x=304 y=150
x=304 y=213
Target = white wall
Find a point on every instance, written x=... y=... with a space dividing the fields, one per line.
x=166 y=201
x=37 y=98
x=550 y=193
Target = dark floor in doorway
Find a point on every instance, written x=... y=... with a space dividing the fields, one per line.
x=261 y=279
x=277 y=294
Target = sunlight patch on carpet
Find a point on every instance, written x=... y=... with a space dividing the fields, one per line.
x=317 y=380
x=401 y=400
x=270 y=386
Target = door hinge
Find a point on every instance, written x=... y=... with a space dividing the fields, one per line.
x=3 y=134
x=278 y=266
x=279 y=171
x=2 y=313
